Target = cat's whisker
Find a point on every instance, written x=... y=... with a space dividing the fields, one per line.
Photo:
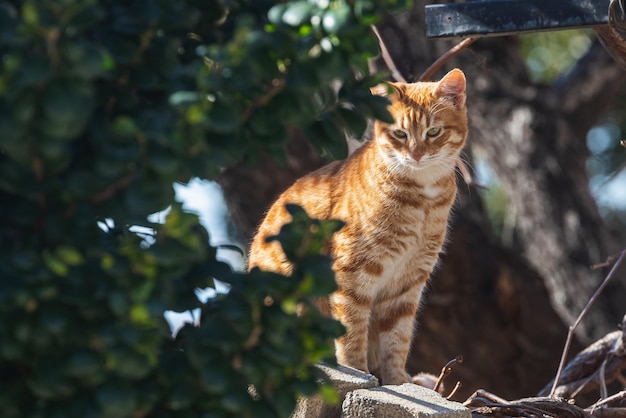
x=437 y=108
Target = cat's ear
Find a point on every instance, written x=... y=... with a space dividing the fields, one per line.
x=385 y=89
x=452 y=86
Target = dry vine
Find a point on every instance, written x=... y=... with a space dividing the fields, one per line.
x=445 y=371
x=452 y=52
x=592 y=369
x=573 y=327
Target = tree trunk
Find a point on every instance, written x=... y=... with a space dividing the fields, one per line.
x=506 y=309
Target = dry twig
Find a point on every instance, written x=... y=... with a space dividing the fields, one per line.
x=488 y=404
x=619 y=396
x=118 y=185
x=446 y=370
x=384 y=53
x=277 y=86
x=452 y=52
x=572 y=328
x=594 y=367
x=454 y=390
x=584 y=373
x=609 y=413
x=609 y=260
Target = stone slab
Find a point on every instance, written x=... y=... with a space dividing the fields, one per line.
x=403 y=401
x=345 y=380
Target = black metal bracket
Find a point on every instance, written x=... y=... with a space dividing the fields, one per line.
x=506 y=17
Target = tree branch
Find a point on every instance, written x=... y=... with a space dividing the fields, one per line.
x=384 y=53
x=452 y=52
x=572 y=328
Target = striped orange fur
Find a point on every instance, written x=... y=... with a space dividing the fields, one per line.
x=394 y=195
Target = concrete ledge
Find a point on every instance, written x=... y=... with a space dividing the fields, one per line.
x=404 y=401
x=345 y=380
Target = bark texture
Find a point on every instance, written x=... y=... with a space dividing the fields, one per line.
x=505 y=309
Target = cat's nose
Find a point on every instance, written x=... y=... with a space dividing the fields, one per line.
x=417 y=155
x=417 y=151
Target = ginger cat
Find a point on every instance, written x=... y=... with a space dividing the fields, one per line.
x=394 y=195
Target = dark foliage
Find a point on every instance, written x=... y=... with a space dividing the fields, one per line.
x=103 y=106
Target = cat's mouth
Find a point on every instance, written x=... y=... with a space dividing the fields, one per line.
x=418 y=160
x=425 y=163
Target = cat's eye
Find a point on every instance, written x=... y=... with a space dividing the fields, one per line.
x=399 y=133
x=433 y=131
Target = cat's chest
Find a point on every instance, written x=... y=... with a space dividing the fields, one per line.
x=397 y=239
x=394 y=241
x=396 y=233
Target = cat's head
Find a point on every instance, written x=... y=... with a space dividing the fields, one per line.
x=430 y=124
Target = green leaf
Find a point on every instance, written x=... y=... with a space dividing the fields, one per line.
x=69 y=255
x=54 y=320
x=116 y=399
x=335 y=142
x=49 y=383
x=87 y=60
x=223 y=118
x=67 y=107
x=296 y=211
x=355 y=122
x=30 y=13
x=55 y=264
x=182 y=394
x=284 y=403
x=84 y=363
x=215 y=379
x=339 y=20
x=164 y=163
x=24 y=107
x=275 y=14
x=297 y=13
x=139 y=314
x=124 y=127
x=329 y=394
x=119 y=302
x=129 y=363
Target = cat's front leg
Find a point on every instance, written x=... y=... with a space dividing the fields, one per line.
x=353 y=311
x=396 y=321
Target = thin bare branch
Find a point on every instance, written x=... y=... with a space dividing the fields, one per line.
x=572 y=328
x=609 y=260
x=604 y=392
x=598 y=364
x=277 y=86
x=609 y=413
x=609 y=35
x=467 y=175
x=384 y=53
x=619 y=396
x=426 y=75
x=118 y=185
x=454 y=390
x=481 y=395
x=490 y=405
x=445 y=370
